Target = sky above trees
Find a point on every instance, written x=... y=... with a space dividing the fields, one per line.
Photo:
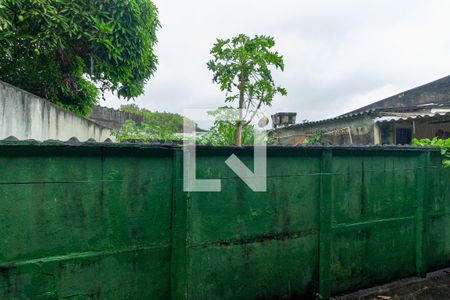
x=339 y=55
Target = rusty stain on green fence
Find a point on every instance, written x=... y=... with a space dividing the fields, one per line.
x=98 y=221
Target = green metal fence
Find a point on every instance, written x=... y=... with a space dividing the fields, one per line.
x=99 y=221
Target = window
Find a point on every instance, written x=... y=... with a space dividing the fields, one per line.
x=403 y=136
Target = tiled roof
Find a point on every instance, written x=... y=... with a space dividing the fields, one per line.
x=436 y=92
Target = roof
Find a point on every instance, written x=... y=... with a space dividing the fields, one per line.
x=436 y=92
x=312 y=123
x=408 y=117
x=433 y=94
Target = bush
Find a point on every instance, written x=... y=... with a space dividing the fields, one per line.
x=444 y=145
x=145 y=133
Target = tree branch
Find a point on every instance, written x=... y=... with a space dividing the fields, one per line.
x=254 y=113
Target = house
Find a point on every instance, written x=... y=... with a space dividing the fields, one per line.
x=422 y=112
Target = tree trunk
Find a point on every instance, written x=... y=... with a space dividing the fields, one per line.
x=240 y=122
x=238 y=137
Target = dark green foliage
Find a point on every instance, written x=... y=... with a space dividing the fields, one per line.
x=68 y=50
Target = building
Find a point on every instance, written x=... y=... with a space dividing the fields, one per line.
x=422 y=112
x=112 y=118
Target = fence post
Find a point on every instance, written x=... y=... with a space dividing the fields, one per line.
x=326 y=199
x=178 y=287
x=421 y=224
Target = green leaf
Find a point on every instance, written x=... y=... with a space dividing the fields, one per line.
x=444 y=146
x=243 y=66
x=45 y=43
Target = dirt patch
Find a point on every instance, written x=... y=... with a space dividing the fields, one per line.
x=436 y=286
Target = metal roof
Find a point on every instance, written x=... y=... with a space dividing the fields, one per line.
x=407 y=117
x=393 y=112
x=347 y=116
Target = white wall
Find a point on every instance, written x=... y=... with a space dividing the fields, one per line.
x=27 y=116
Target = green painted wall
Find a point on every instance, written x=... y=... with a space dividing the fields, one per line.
x=84 y=223
x=99 y=221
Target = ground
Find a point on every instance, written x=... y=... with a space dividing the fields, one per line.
x=436 y=286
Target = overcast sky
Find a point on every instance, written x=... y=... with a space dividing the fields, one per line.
x=339 y=54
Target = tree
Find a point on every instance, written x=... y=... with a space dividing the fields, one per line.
x=145 y=133
x=169 y=122
x=242 y=66
x=223 y=131
x=69 y=50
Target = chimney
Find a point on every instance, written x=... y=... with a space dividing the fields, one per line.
x=283 y=119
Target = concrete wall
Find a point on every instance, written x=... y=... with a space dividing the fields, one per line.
x=111 y=221
x=112 y=118
x=27 y=116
